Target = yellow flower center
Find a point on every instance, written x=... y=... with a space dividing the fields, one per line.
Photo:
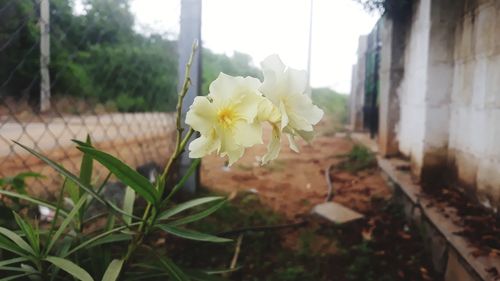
x=226 y=117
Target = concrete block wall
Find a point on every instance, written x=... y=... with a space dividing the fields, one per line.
x=411 y=129
x=357 y=96
x=450 y=94
x=474 y=150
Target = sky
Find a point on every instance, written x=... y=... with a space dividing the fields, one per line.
x=263 y=27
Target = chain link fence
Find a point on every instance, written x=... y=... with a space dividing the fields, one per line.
x=72 y=68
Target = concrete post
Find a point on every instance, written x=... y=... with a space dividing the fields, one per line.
x=190 y=32
x=44 y=55
x=391 y=74
x=357 y=98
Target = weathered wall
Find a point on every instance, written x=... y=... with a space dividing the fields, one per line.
x=426 y=87
x=474 y=142
x=411 y=129
x=391 y=73
x=357 y=96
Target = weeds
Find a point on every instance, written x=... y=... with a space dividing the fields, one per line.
x=359 y=158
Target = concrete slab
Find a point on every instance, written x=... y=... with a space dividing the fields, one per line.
x=336 y=213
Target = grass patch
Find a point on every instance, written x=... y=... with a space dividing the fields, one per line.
x=359 y=158
x=319 y=251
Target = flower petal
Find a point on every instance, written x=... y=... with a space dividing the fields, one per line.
x=293 y=143
x=248 y=134
x=234 y=155
x=201 y=115
x=203 y=146
x=274 y=146
x=284 y=116
x=297 y=80
x=248 y=104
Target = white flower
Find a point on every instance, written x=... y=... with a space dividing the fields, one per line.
x=285 y=88
x=226 y=118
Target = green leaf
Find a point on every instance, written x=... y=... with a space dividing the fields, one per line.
x=18 y=269
x=128 y=204
x=61 y=251
x=198 y=216
x=18 y=182
x=31 y=200
x=70 y=268
x=17 y=240
x=10 y=246
x=184 y=178
x=65 y=223
x=11 y=261
x=113 y=238
x=192 y=235
x=173 y=270
x=127 y=175
x=86 y=166
x=113 y=270
x=15 y=277
x=64 y=172
x=96 y=238
x=198 y=275
x=187 y=205
x=73 y=190
x=32 y=235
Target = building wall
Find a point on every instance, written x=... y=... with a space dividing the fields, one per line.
x=449 y=97
x=357 y=95
x=411 y=129
x=474 y=141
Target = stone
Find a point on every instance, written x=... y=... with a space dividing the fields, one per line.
x=336 y=213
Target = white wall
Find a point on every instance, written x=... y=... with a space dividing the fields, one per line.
x=411 y=129
x=357 y=95
x=474 y=142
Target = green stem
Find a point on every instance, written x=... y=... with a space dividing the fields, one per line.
x=180 y=144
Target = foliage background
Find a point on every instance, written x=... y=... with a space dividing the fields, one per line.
x=98 y=57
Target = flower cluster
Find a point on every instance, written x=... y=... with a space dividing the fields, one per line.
x=231 y=117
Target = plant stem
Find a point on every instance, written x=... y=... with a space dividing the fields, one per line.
x=180 y=144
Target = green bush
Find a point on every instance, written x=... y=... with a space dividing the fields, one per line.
x=333 y=103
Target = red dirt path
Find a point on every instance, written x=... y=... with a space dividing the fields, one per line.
x=295 y=182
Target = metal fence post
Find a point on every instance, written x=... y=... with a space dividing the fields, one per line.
x=190 y=31
x=44 y=55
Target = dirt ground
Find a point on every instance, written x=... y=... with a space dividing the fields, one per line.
x=382 y=246
x=295 y=182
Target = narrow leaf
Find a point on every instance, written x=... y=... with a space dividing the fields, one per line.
x=113 y=270
x=198 y=216
x=31 y=200
x=32 y=235
x=96 y=238
x=73 y=190
x=17 y=239
x=15 y=277
x=86 y=166
x=113 y=238
x=198 y=275
x=10 y=246
x=70 y=268
x=192 y=235
x=63 y=171
x=65 y=223
x=173 y=270
x=187 y=205
x=11 y=261
x=128 y=204
x=127 y=175
x=184 y=178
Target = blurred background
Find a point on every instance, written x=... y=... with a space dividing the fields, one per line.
x=110 y=67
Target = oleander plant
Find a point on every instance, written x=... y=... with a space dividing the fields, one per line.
x=119 y=243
